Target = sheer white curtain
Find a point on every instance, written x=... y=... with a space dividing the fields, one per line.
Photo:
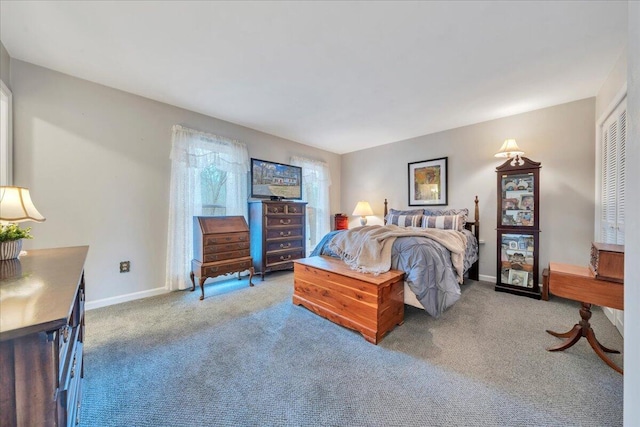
x=316 y=180
x=191 y=152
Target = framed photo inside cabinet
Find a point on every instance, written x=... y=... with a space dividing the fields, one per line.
x=518 y=231
x=428 y=182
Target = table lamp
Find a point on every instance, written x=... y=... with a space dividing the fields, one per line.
x=15 y=206
x=511 y=150
x=363 y=209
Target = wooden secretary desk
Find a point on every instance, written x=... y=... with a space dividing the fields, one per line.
x=41 y=337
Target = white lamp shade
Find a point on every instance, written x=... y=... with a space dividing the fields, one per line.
x=16 y=205
x=509 y=149
x=362 y=209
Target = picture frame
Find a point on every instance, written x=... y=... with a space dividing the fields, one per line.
x=526 y=202
x=428 y=182
x=519 y=278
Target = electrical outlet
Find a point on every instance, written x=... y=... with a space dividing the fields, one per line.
x=125 y=266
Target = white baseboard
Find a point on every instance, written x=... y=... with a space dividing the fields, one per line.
x=616 y=317
x=484 y=278
x=90 y=305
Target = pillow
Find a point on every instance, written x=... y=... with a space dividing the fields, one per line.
x=443 y=222
x=396 y=212
x=405 y=220
x=407 y=212
x=463 y=213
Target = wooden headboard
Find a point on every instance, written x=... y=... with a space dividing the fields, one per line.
x=473 y=226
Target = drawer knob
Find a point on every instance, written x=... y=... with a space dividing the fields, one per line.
x=293 y=210
x=274 y=210
x=285 y=221
x=285 y=245
x=283 y=234
x=73 y=367
x=285 y=258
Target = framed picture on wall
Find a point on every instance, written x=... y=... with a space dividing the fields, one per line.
x=428 y=182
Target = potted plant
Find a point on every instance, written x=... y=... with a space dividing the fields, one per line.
x=11 y=240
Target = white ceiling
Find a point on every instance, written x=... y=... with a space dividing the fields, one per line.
x=342 y=76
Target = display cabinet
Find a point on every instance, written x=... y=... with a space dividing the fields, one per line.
x=518 y=227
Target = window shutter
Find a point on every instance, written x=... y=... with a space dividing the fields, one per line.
x=621 y=177
x=612 y=200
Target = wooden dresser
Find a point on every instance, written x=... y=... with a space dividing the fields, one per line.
x=41 y=337
x=277 y=234
x=220 y=246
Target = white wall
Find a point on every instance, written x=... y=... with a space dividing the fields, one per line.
x=632 y=244
x=616 y=79
x=97 y=162
x=5 y=61
x=560 y=137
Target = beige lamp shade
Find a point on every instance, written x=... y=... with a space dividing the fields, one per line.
x=363 y=209
x=16 y=205
x=509 y=149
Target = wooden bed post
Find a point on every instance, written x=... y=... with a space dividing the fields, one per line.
x=474 y=270
x=477 y=219
x=385 y=212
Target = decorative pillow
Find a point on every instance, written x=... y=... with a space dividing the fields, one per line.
x=463 y=213
x=443 y=222
x=396 y=212
x=407 y=212
x=405 y=220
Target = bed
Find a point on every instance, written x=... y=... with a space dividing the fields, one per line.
x=432 y=282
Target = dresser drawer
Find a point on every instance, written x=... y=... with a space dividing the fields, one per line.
x=73 y=389
x=283 y=208
x=226 y=255
x=281 y=257
x=216 y=239
x=283 y=233
x=69 y=360
x=279 y=246
x=281 y=220
x=226 y=267
x=226 y=247
x=67 y=337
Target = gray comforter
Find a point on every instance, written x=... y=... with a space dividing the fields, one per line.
x=427 y=267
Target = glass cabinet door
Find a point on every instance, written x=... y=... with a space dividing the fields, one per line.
x=518 y=207
x=517 y=260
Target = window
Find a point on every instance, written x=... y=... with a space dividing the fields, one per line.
x=6 y=138
x=316 y=180
x=208 y=177
x=213 y=188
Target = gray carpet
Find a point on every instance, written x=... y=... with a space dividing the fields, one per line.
x=248 y=357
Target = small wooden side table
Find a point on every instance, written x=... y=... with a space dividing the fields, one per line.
x=579 y=284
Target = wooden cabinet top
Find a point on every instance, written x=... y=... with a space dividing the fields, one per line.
x=37 y=291
x=222 y=224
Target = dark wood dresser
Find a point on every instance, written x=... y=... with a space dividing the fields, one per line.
x=277 y=234
x=41 y=337
x=220 y=246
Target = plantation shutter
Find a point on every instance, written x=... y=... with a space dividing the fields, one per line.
x=612 y=199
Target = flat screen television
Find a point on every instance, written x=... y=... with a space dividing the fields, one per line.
x=275 y=180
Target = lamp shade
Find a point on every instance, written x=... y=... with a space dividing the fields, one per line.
x=362 y=209
x=16 y=205
x=509 y=149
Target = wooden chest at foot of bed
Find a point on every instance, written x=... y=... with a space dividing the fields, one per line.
x=371 y=305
